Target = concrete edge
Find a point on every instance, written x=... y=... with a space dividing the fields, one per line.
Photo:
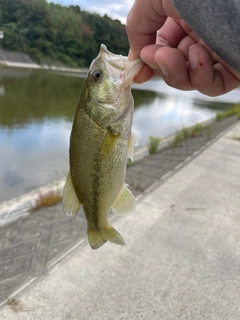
x=20 y=206
x=7 y=63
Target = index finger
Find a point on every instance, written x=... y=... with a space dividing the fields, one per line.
x=144 y=19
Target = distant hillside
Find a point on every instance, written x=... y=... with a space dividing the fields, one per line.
x=51 y=32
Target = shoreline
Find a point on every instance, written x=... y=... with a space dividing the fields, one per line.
x=23 y=205
x=11 y=64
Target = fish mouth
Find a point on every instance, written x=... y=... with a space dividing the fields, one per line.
x=121 y=63
x=132 y=69
x=115 y=60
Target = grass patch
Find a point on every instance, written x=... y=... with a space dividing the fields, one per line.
x=47 y=200
x=153 y=144
x=185 y=133
x=180 y=136
x=228 y=113
x=192 y=132
x=196 y=129
x=177 y=139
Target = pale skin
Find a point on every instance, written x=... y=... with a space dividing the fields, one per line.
x=176 y=54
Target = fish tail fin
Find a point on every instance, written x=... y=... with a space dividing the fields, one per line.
x=97 y=238
x=113 y=235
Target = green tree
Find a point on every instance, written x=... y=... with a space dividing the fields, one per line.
x=61 y=34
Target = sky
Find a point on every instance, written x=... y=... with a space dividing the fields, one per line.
x=113 y=8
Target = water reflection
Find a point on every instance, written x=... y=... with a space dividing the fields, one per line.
x=36 y=112
x=164 y=116
x=36 y=97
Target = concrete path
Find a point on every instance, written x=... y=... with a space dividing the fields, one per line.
x=181 y=259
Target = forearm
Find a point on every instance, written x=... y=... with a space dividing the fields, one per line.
x=217 y=23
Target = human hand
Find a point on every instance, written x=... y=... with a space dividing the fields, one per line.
x=176 y=53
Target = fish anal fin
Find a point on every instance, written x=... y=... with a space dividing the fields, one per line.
x=132 y=142
x=125 y=201
x=71 y=203
x=97 y=238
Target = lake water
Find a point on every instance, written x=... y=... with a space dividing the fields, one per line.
x=36 y=112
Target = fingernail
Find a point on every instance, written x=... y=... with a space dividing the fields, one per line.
x=154 y=68
x=163 y=67
x=193 y=61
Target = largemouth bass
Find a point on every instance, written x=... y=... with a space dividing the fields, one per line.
x=100 y=143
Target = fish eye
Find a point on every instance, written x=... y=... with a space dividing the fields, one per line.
x=97 y=75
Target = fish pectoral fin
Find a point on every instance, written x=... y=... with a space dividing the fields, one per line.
x=97 y=238
x=108 y=144
x=132 y=142
x=125 y=201
x=71 y=204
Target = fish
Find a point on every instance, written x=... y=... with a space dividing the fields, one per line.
x=101 y=140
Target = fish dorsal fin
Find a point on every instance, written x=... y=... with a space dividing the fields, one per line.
x=132 y=142
x=71 y=204
x=125 y=201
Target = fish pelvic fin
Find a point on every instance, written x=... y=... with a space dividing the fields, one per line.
x=71 y=204
x=125 y=201
x=97 y=238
